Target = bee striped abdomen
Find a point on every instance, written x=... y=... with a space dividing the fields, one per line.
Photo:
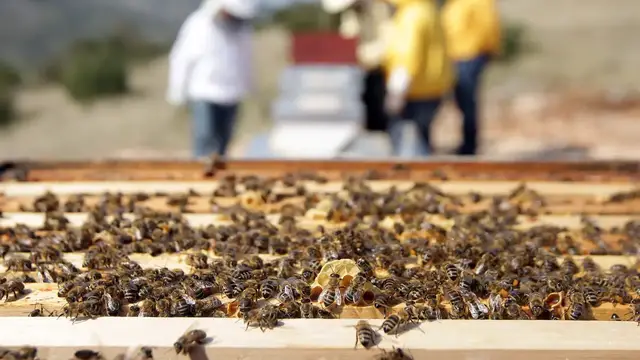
x=366 y=337
x=390 y=324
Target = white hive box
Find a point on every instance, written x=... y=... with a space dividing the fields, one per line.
x=318 y=112
x=345 y=79
x=314 y=140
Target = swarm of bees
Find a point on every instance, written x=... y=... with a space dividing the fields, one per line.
x=481 y=267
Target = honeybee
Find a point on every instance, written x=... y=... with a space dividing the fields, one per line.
x=365 y=335
x=189 y=340
x=286 y=294
x=394 y=354
x=353 y=293
x=513 y=310
x=148 y=309
x=290 y=310
x=18 y=264
x=90 y=309
x=37 y=312
x=87 y=354
x=451 y=270
x=366 y=268
x=383 y=301
x=458 y=306
x=264 y=318
x=536 y=304
x=198 y=261
x=163 y=307
x=477 y=309
x=146 y=353
x=308 y=274
x=269 y=287
x=394 y=323
x=11 y=287
x=331 y=293
x=207 y=306
x=133 y=311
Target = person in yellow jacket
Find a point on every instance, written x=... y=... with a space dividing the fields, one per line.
x=367 y=21
x=419 y=71
x=473 y=38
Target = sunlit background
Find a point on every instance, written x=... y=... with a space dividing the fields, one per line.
x=567 y=88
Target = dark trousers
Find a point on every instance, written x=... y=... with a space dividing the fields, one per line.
x=420 y=112
x=373 y=99
x=466 y=98
x=212 y=127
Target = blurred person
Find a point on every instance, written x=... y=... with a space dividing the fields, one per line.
x=419 y=71
x=473 y=38
x=210 y=70
x=367 y=21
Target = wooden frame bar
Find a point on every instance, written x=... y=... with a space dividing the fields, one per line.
x=36 y=220
x=330 y=339
x=207 y=187
x=190 y=170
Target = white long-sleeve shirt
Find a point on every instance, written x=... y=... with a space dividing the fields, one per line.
x=209 y=61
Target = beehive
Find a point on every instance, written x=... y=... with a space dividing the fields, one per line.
x=569 y=191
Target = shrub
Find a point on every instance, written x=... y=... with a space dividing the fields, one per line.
x=514 y=42
x=95 y=71
x=124 y=43
x=7 y=107
x=9 y=76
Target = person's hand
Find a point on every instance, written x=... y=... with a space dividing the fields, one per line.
x=394 y=104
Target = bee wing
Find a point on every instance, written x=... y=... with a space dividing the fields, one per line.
x=193 y=326
x=288 y=289
x=189 y=299
x=323 y=294
x=132 y=352
x=338 y=297
x=41 y=278
x=357 y=295
x=495 y=301
x=483 y=308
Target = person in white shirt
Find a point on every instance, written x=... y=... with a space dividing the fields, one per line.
x=210 y=70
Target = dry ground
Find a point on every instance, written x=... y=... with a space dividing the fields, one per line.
x=585 y=45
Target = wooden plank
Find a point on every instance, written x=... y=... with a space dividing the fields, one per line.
x=555 y=204
x=326 y=335
x=207 y=187
x=36 y=220
x=66 y=353
x=46 y=294
x=178 y=261
x=458 y=164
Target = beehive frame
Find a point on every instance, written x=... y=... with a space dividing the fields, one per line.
x=330 y=339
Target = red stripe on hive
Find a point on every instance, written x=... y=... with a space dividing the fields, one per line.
x=323 y=48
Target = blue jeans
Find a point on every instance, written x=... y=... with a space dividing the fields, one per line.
x=212 y=127
x=466 y=98
x=421 y=112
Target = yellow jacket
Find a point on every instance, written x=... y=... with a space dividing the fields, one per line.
x=472 y=28
x=418 y=46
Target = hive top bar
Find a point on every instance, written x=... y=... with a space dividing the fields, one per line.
x=454 y=168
